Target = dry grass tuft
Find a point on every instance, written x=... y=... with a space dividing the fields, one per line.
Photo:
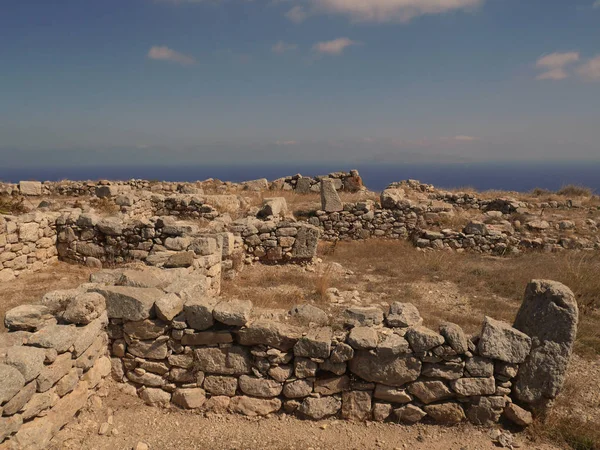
x=12 y=205
x=572 y=190
x=105 y=206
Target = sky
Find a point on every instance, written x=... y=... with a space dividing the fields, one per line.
x=116 y=82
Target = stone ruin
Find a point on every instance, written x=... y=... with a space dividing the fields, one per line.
x=166 y=335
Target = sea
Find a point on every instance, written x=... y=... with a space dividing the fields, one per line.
x=521 y=177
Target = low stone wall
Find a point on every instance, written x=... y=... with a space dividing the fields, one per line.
x=343 y=181
x=51 y=360
x=27 y=243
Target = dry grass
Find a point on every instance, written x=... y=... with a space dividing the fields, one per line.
x=572 y=190
x=12 y=205
x=105 y=206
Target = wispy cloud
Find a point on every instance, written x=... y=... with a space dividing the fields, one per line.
x=297 y=14
x=590 y=71
x=334 y=47
x=462 y=138
x=163 y=53
x=596 y=4
x=554 y=65
x=286 y=143
x=283 y=47
x=381 y=10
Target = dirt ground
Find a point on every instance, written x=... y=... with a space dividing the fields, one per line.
x=133 y=422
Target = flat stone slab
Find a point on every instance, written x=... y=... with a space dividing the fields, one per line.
x=130 y=303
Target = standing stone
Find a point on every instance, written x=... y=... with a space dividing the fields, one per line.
x=330 y=200
x=303 y=185
x=549 y=315
x=305 y=246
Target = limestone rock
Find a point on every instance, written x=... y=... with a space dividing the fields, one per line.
x=362 y=316
x=381 y=411
x=155 y=396
x=485 y=411
x=478 y=366
x=341 y=353
x=331 y=385
x=26 y=317
x=319 y=408
x=168 y=306
x=391 y=394
x=455 y=337
x=151 y=349
x=249 y=406
x=501 y=341
x=276 y=206
x=58 y=337
x=145 y=329
x=235 y=313
x=549 y=314
x=15 y=404
x=307 y=314
x=409 y=414
x=54 y=372
x=298 y=388
x=84 y=308
x=468 y=387
x=9 y=426
x=403 y=315
x=330 y=200
x=221 y=386
x=390 y=370
x=305 y=246
x=30 y=188
x=518 y=415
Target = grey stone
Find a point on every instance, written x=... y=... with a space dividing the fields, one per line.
x=58 y=337
x=391 y=394
x=430 y=391
x=9 y=426
x=501 y=341
x=146 y=379
x=298 y=388
x=15 y=404
x=468 y=387
x=315 y=344
x=455 y=337
x=422 y=339
x=207 y=338
x=30 y=188
x=155 y=396
x=168 y=306
x=38 y=403
x=145 y=329
x=199 y=312
x=305 y=246
x=445 y=413
x=385 y=369
x=443 y=370
x=130 y=303
x=271 y=333
x=235 y=313
x=276 y=206
x=341 y=353
x=219 y=385
x=381 y=411
x=362 y=338
x=151 y=349
x=394 y=345
x=548 y=314
x=409 y=414
x=307 y=314
x=304 y=367
x=478 y=366
x=319 y=408
x=356 y=406
x=26 y=317
x=332 y=385
x=179 y=260
x=362 y=316
x=403 y=315
x=93 y=351
x=190 y=398
x=281 y=373
x=518 y=415
x=11 y=382
x=84 y=308
x=69 y=382
x=330 y=200
x=28 y=360
x=232 y=360
x=485 y=411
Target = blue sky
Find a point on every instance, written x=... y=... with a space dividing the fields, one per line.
x=189 y=81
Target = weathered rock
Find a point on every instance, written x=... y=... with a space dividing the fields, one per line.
x=409 y=414
x=146 y=379
x=155 y=396
x=391 y=394
x=341 y=353
x=336 y=368
x=362 y=316
x=168 y=306
x=276 y=206
x=478 y=366
x=259 y=387
x=455 y=337
x=145 y=329
x=319 y=408
x=38 y=403
x=221 y=386
x=363 y=338
x=199 y=312
x=99 y=370
x=58 y=337
x=315 y=344
x=130 y=303
x=430 y=391
x=422 y=339
x=235 y=313
x=394 y=345
x=467 y=387
x=356 y=406
x=15 y=404
x=446 y=413
x=26 y=317
x=298 y=388
x=232 y=360
x=207 y=338
x=191 y=398
x=385 y=369
x=308 y=314
x=403 y=315
x=9 y=426
x=381 y=411
x=93 y=352
x=330 y=200
x=305 y=246
x=28 y=360
x=501 y=341
x=180 y=259
x=518 y=415
x=485 y=411
x=30 y=188
x=549 y=315
x=84 y=308
x=69 y=382
x=272 y=333
x=444 y=370
x=281 y=373
x=217 y=404
x=151 y=349
x=250 y=406
x=391 y=197
x=50 y=375
x=476 y=227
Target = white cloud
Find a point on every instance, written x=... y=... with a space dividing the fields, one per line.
x=334 y=47
x=590 y=70
x=382 y=10
x=163 y=53
x=282 y=47
x=297 y=14
x=596 y=4
x=554 y=65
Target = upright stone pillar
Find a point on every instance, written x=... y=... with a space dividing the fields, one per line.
x=549 y=315
x=330 y=200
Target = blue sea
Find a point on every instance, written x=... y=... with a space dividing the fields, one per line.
x=481 y=176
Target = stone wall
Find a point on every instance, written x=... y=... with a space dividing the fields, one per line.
x=343 y=181
x=51 y=360
x=27 y=243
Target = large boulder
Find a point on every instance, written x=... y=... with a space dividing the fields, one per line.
x=549 y=315
x=276 y=206
x=391 y=197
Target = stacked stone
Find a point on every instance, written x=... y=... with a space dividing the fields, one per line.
x=183 y=205
x=277 y=241
x=51 y=360
x=343 y=181
x=221 y=355
x=27 y=244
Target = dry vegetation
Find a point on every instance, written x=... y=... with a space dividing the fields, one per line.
x=13 y=205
